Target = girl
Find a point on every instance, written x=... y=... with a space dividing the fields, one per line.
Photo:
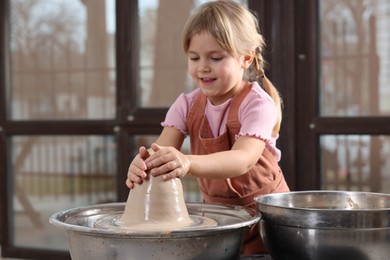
x=233 y=118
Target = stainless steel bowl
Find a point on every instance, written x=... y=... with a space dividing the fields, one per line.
x=222 y=241
x=326 y=225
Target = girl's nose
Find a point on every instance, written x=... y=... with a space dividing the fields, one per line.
x=204 y=66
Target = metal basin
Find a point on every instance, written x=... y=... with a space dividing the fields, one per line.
x=323 y=225
x=223 y=241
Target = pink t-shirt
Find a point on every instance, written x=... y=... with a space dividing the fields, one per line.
x=257 y=115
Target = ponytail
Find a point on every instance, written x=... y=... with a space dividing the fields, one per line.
x=256 y=70
x=273 y=92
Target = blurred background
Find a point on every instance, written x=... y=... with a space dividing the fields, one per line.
x=84 y=83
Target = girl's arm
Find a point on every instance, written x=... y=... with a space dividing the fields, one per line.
x=171 y=163
x=244 y=154
x=170 y=136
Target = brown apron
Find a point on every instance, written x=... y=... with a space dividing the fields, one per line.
x=265 y=177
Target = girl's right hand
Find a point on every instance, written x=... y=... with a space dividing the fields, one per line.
x=137 y=168
x=168 y=162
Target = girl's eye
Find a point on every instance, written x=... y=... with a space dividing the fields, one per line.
x=216 y=58
x=194 y=58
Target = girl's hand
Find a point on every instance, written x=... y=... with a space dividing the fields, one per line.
x=137 y=168
x=167 y=161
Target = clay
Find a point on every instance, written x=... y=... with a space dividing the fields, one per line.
x=156 y=205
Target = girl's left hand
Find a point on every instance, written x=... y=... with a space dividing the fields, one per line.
x=167 y=161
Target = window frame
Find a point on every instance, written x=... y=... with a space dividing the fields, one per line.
x=291 y=32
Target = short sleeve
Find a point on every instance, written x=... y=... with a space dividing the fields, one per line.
x=258 y=114
x=177 y=114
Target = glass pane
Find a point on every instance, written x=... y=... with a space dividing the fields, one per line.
x=190 y=185
x=355 y=162
x=62 y=59
x=163 y=65
x=355 y=58
x=54 y=173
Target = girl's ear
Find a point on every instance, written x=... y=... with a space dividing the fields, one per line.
x=247 y=59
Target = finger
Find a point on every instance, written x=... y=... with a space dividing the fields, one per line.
x=165 y=168
x=157 y=159
x=134 y=173
x=143 y=152
x=171 y=175
x=134 y=178
x=137 y=169
x=138 y=165
x=129 y=184
x=156 y=147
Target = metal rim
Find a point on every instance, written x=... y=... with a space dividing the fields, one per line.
x=263 y=200
x=246 y=218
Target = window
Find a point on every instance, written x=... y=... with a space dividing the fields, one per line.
x=83 y=84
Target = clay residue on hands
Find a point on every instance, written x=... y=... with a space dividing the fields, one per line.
x=155 y=205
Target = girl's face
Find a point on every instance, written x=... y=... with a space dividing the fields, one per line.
x=217 y=73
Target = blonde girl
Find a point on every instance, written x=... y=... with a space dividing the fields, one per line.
x=233 y=117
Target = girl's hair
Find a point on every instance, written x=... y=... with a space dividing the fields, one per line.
x=236 y=30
